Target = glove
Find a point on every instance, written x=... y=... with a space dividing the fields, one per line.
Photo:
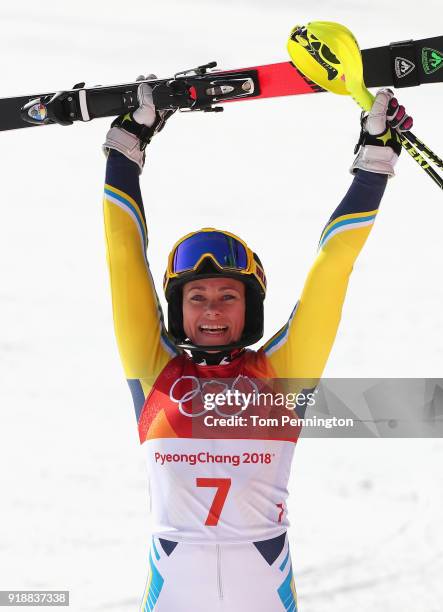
x=379 y=144
x=130 y=133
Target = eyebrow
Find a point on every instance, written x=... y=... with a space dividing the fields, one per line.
x=202 y=288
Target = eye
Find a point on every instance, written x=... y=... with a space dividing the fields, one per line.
x=197 y=297
x=229 y=296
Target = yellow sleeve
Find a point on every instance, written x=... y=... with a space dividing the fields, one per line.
x=142 y=340
x=301 y=348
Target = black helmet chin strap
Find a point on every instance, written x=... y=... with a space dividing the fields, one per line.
x=188 y=345
x=218 y=358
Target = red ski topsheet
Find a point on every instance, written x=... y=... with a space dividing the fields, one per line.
x=280 y=79
x=283 y=79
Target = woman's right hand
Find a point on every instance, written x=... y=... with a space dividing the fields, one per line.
x=146 y=113
x=130 y=133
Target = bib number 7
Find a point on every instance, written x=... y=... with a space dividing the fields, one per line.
x=222 y=485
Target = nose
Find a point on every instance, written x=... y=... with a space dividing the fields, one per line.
x=213 y=308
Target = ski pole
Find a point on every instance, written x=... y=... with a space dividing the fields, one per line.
x=424 y=149
x=408 y=140
x=407 y=145
x=328 y=54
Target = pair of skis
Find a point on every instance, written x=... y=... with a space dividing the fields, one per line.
x=402 y=64
x=325 y=57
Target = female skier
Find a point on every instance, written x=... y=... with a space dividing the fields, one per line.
x=218 y=496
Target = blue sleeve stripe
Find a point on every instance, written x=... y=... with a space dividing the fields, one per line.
x=138 y=397
x=128 y=201
x=343 y=224
x=130 y=207
x=167 y=343
x=280 y=337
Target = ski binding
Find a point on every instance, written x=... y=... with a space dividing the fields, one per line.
x=196 y=89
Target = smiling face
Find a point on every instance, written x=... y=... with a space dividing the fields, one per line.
x=214 y=310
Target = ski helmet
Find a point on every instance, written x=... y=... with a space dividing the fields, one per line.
x=208 y=253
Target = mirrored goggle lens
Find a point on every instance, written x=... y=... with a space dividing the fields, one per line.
x=227 y=251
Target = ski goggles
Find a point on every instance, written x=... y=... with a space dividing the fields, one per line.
x=228 y=252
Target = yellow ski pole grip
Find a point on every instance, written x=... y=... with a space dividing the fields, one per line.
x=328 y=54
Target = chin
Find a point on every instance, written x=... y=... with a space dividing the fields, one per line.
x=213 y=341
x=206 y=340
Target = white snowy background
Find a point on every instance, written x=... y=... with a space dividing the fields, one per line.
x=366 y=514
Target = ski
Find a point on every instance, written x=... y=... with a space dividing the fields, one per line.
x=402 y=64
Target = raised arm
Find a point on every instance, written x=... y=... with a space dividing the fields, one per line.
x=301 y=348
x=138 y=321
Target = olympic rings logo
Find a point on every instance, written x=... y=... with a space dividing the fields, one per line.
x=197 y=394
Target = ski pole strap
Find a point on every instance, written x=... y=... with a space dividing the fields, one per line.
x=143 y=132
x=128 y=123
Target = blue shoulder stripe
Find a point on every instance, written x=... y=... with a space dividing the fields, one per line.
x=280 y=337
x=138 y=397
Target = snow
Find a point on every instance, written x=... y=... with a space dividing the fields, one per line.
x=366 y=514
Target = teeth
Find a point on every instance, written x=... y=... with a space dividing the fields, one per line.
x=213 y=327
